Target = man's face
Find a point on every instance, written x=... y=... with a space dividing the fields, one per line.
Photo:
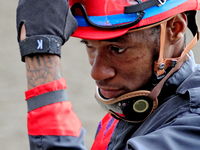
x=122 y=64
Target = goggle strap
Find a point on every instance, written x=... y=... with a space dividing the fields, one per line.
x=118 y=26
x=142 y=6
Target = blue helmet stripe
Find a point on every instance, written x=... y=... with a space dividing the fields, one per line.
x=110 y=20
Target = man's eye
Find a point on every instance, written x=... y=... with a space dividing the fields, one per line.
x=86 y=43
x=117 y=49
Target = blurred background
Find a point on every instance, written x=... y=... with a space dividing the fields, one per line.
x=75 y=68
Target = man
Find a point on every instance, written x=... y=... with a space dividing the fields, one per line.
x=145 y=75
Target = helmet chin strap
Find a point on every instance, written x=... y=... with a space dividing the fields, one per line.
x=163 y=63
x=159 y=68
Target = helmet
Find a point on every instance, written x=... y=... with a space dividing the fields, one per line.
x=106 y=19
x=98 y=19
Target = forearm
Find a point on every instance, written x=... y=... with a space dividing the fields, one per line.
x=50 y=114
x=42 y=69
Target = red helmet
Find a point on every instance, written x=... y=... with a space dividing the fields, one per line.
x=105 y=19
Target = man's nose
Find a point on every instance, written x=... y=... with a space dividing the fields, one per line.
x=102 y=68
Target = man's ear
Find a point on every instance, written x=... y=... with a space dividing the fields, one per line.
x=176 y=27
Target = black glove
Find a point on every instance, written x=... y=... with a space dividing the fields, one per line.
x=48 y=23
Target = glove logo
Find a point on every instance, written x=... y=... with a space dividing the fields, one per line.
x=40 y=44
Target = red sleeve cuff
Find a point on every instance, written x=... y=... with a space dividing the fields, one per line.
x=56 y=119
x=59 y=84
